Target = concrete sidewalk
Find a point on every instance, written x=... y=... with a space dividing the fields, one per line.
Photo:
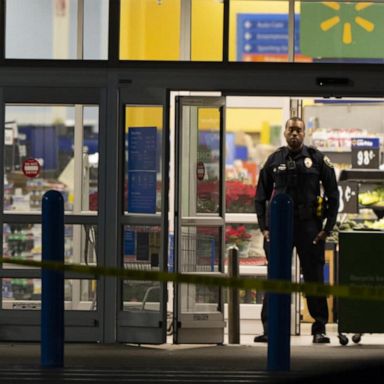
x=308 y=358
x=247 y=358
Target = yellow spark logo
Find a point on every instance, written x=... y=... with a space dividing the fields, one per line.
x=367 y=25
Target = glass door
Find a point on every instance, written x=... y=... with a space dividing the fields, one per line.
x=142 y=218
x=199 y=217
x=60 y=133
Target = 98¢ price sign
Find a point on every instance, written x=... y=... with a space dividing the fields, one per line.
x=366 y=152
x=348 y=194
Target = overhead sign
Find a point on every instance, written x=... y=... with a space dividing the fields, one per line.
x=342 y=29
x=365 y=152
x=31 y=168
x=264 y=37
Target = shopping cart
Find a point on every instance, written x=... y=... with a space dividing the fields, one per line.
x=198 y=252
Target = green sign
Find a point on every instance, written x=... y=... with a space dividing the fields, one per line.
x=342 y=30
x=361 y=264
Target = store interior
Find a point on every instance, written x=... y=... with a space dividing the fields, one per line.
x=253 y=130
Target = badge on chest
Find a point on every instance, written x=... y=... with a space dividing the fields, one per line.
x=308 y=162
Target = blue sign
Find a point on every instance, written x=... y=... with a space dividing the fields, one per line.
x=367 y=142
x=129 y=242
x=230 y=148
x=241 y=152
x=171 y=253
x=264 y=34
x=142 y=169
x=142 y=191
x=210 y=138
x=142 y=148
x=365 y=152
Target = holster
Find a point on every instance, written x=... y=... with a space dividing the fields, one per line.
x=321 y=207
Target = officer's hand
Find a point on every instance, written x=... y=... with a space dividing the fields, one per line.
x=266 y=235
x=321 y=236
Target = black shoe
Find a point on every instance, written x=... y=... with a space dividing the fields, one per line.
x=261 y=339
x=320 y=338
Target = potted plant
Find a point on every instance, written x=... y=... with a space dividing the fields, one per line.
x=238 y=235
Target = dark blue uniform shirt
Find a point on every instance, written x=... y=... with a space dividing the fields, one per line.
x=305 y=176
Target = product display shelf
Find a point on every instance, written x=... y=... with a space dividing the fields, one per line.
x=363 y=175
x=338 y=156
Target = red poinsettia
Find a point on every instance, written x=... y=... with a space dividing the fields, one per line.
x=239 y=197
x=237 y=235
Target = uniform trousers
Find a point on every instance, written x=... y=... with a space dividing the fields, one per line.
x=311 y=258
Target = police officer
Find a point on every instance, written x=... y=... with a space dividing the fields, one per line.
x=309 y=178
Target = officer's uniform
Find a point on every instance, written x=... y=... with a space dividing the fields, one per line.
x=301 y=175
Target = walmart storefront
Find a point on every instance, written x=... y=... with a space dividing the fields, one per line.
x=153 y=118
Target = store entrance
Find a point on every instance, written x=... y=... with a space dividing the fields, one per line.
x=199 y=217
x=252 y=129
x=220 y=144
x=60 y=132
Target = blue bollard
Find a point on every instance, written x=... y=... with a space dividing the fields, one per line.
x=212 y=254
x=52 y=297
x=279 y=268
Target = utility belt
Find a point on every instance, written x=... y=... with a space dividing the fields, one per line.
x=311 y=211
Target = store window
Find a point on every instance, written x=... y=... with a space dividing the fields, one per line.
x=258 y=30
x=141 y=296
x=248 y=296
x=249 y=242
x=143 y=148
x=142 y=250
x=207 y=30
x=42 y=152
x=25 y=294
x=269 y=31
x=201 y=298
x=24 y=242
x=207 y=157
x=253 y=131
x=141 y=247
x=171 y=30
x=56 y=29
x=339 y=129
x=355 y=29
x=200 y=248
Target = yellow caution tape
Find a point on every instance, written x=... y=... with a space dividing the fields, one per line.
x=276 y=286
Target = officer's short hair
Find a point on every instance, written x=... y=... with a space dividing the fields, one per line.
x=295 y=119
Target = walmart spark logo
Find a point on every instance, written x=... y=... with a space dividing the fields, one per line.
x=334 y=29
x=346 y=18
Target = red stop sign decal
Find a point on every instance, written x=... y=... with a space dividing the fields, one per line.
x=31 y=167
x=200 y=170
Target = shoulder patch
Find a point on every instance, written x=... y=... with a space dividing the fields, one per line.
x=328 y=162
